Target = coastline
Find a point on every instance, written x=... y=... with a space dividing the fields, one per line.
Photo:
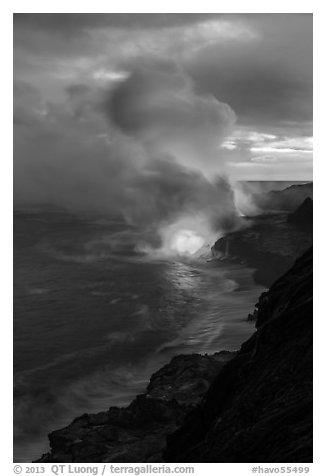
x=171 y=421
x=269 y=243
x=138 y=432
x=221 y=325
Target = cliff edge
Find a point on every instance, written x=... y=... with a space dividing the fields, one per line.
x=269 y=243
x=259 y=407
x=254 y=405
x=138 y=432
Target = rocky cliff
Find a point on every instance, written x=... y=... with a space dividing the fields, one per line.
x=287 y=199
x=302 y=217
x=138 y=433
x=254 y=405
x=259 y=407
x=268 y=243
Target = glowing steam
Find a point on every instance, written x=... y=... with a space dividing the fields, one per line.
x=187 y=236
x=187 y=242
x=180 y=132
x=158 y=166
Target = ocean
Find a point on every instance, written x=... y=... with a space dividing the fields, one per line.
x=93 y=319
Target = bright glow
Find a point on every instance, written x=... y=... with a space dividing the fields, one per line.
x=284 y=150
x=105 y=75
x=229 y=144
x=190 y=236
x=186 y=242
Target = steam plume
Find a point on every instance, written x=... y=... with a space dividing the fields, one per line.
x=156 y=168
x=159 y=106
x=181 y=132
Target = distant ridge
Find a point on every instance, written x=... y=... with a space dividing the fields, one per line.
x=287 y=199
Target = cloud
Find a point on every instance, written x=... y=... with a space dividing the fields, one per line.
x=205 y=66
x=158 y=105
x=261 y=65
x=92 y=47
x=264 y=158
x=76 y=23
x=27 y=103
x=267 y=82
x=69 y=157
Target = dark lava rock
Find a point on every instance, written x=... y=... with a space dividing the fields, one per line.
x=268 y=243
x=138 y=433
x=303 y=216
x=287 y=199
x=254 y=405
x=187 y=377
x=259 y=407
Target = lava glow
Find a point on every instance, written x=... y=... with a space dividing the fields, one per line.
x=188 y=236
x=186 y=242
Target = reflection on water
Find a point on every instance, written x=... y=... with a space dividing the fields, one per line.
x=183 y=277
x=222 y=296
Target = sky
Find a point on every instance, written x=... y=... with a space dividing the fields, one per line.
x=236 y=87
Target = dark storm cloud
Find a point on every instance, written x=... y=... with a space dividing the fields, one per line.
x=260 y=65
x=157 y=105
x=27 y=103
x=71 y=24
x=266 y=82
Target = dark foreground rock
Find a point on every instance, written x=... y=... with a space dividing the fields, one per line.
x=251 y=406
x=269 y=244
x=302 y=217
x=259 y=407
x=138 y=433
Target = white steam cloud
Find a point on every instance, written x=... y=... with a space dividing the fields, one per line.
x=158 y=105
x=151 y=161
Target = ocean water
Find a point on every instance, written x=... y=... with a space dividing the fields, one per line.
x=93 y=319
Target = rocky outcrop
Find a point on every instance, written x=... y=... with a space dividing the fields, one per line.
x=138 y=433
x=287 y=199
x=269 y=244
x=251 y=406
x=259 y=407
x=303 y=215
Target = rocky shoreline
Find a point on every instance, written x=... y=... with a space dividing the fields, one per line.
x=268 y=243
x=138 y=433
x=251 y=405
x=259 y=407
